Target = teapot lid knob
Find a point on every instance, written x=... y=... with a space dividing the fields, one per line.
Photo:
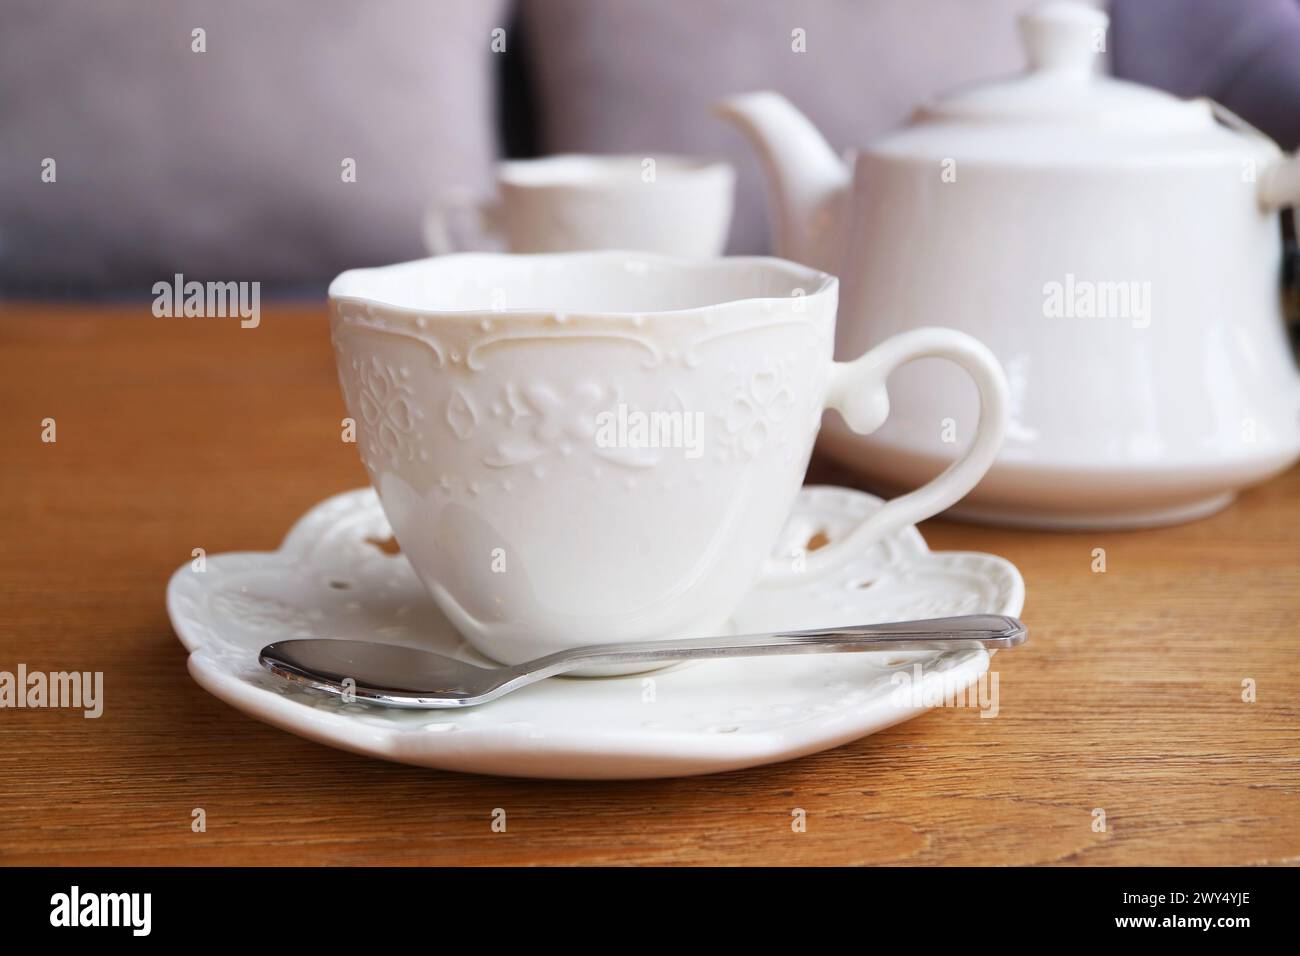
x=1064 y=36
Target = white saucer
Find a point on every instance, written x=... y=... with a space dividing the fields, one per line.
x=329 y=580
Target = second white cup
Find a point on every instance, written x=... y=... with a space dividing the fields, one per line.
x=675 y=205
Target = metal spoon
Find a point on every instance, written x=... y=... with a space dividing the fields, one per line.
x=408 y=677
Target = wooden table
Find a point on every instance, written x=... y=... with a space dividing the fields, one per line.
x=183 y=433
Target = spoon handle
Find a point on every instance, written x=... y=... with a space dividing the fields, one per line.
x=943 y=633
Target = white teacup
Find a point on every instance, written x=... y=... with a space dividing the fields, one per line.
x=600 y=447
x=675 y=205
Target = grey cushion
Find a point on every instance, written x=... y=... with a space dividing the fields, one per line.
x=1244 y=54
x=226 y=164
x=629 y=77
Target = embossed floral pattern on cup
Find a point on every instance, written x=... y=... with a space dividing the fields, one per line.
x=383 y=396
x=758 y=411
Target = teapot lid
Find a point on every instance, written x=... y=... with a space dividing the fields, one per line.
x=1063 y=106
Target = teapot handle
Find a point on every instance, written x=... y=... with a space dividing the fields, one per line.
x=1278 y=186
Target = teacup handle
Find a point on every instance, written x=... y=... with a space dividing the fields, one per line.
x=462 y=222
x=858 y=392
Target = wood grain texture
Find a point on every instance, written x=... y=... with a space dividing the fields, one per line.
x=183 y=433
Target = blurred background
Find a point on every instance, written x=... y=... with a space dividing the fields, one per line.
x=225 y=163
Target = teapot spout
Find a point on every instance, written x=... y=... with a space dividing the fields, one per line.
x=807 y=183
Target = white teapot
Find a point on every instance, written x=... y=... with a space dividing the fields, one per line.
x=1118 y=249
